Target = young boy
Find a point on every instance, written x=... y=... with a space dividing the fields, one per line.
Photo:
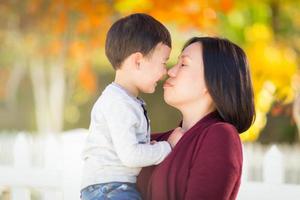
x=118 y=145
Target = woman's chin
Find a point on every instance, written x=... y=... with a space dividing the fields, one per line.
x=168 y=99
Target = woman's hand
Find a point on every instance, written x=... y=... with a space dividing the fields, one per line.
x=153 y=142
x=175 y=136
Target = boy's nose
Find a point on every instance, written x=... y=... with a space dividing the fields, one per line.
x=165 y=71
x=163 y=75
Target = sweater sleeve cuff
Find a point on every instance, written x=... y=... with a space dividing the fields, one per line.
x=165 y=150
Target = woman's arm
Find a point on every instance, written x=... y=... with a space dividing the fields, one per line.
x=144 y=176
x=216 y=170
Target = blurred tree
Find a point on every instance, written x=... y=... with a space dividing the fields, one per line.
x=64 y=40
x=261 y=27
x=53 y=41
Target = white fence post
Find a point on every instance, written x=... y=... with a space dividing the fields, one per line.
x=273 y=171
x=57 y=171
x=245 y=165
x=72 y=163
x=22 y=161
x=53 y=162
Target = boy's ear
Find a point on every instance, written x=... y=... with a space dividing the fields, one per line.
x=137 y=59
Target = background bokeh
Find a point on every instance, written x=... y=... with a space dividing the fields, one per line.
x=53 y=66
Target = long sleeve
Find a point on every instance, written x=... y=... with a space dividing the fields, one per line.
x=161 y=136
x=216 y=170
x=122 y=120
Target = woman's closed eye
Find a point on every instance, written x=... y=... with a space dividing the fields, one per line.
x=183 y=65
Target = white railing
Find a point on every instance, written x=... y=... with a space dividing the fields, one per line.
x=49 y=168
x=270 y=172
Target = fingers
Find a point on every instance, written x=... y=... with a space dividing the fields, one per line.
x=175 y=136
x=178 y=130
x=153 y=142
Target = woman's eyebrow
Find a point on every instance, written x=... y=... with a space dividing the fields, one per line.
x=185 y=56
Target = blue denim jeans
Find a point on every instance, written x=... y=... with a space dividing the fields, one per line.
x=111 y=191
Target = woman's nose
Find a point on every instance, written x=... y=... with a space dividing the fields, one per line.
x=172 y=71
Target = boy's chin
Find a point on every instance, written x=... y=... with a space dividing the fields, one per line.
x=149 y=90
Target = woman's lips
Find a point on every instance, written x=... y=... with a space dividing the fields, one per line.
x=167 y=85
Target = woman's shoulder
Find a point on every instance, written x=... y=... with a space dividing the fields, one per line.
x=222 y=140
x=222 y=127
x=223 y=132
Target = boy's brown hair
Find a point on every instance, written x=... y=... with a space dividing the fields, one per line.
x=135 y=33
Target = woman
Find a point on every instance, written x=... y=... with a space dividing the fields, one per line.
x=211 y=86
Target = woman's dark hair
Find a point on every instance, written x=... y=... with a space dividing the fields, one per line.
x=134 y=33
x=228 y=80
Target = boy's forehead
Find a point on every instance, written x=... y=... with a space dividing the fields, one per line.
x=163 y=49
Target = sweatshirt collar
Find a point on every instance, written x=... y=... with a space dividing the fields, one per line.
x=124 y=91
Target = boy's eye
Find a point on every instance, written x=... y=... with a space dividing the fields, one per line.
x=183 y=65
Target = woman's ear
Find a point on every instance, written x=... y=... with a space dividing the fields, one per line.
x=205 y=91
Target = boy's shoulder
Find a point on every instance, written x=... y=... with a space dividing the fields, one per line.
x=115 y=94
x=112 y=96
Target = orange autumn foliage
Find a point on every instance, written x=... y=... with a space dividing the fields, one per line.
x=87 y=79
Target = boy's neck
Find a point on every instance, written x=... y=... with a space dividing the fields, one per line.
x=126 y=84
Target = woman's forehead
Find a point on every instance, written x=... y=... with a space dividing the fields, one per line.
x=191 y=51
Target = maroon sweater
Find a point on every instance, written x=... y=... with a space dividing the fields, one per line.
x=205 y=164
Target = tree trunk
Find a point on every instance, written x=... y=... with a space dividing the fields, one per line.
x=17 y=73
x=38 y=79
x=57 y=96
x=49 y=98
x=296 y=113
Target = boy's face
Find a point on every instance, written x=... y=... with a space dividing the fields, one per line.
x=153 y=68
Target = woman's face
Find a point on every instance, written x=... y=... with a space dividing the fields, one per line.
x=186 y=84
